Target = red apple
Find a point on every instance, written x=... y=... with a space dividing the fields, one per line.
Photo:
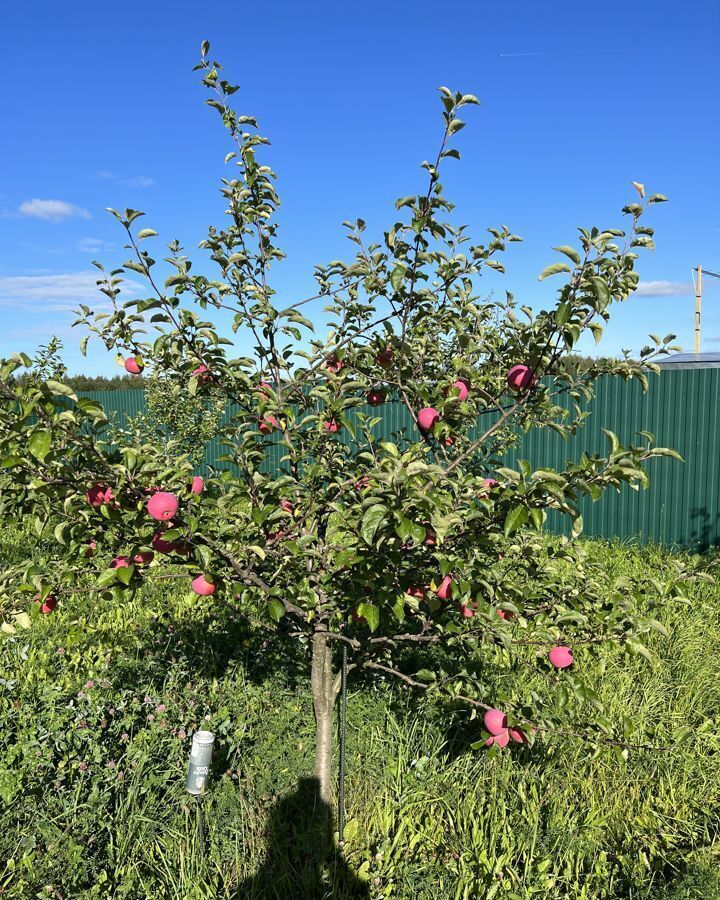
x=502 y=739
x=505 y=614
x=331 y=426
x=49 y=603
x=376 y=397
x=495 y=721
x=430 y=538
x=261 y=390
x=520 y=378
x=286 y=505
x=518 y=735
x=120 y=562
x=444 y=591
x=143 y=558
x=449 y=441
x=488 y=485
x=384 y=358
x=416 y=591
x=268 y=424
x=134 y=365
x=467 y=609
x=162 y=546
x=99 y=494
x=197 y=485
x=202 y=373
x=359 y=620
x=463 y=386
x=362 y=483
x=90 y=549
x=162 y=506
x=202 y=586
x=561 y=657
x=427 y=417
x=334 y=365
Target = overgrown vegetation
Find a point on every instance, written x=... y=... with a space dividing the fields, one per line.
x=98 y=705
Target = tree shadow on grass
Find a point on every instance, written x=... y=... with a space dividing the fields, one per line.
x=302 y=862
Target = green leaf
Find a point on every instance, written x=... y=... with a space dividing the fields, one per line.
x=397 y=276
x=12 y=460
x=125 y=574
x=39 y=444
x=56 y=387
x=146 y=233
x=276 y=610
x=570 y=252
x=370 y=613
x=515 y=518
x=371 y=521
x=554 y=269
x=667 y=451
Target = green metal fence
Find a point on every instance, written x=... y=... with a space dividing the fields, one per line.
x=681 y=408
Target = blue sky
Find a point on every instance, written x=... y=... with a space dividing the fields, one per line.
x=100 y=108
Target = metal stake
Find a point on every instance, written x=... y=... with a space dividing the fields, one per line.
x=343 y=718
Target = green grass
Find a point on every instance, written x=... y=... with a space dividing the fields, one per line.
x=92 y=801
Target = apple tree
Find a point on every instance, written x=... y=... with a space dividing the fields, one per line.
x=415 y=545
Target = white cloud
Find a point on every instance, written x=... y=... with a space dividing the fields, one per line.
x=52 y=210
x=136 y=181
x=93 y=245
x=55 y=293
x=664 y=289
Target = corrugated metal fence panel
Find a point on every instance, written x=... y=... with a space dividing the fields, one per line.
x=681 y=408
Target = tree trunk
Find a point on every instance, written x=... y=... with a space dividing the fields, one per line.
x=323 y=693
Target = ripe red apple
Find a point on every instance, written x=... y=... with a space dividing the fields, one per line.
x=49 y=603
x=267 y=424
x=334 y=365
x=495 y=721
x=430 y=538
x=518 y=735
x=162 y=506
x=561 y=657
x=449 y=441
x=375 y=397
x=502 y=739
x=331 y=426
x=202 y=586
x=99 y=494
x=427 y=417
x=203 y=374
x=467 y=609
x=286 y=505
x=520 y=378
x=463 y=386
x=362 y=483
x=261 y=390
x=197 y=485
x=384 y=358
x=90 y=549
x=162 y=546
x=444 y=591
x=143 y=558
x=134 y=365
x=488 y=485
x=415 y=590
x=505 y=614
x=120 y=562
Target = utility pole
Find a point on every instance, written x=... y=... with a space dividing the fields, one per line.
x=698 y=302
